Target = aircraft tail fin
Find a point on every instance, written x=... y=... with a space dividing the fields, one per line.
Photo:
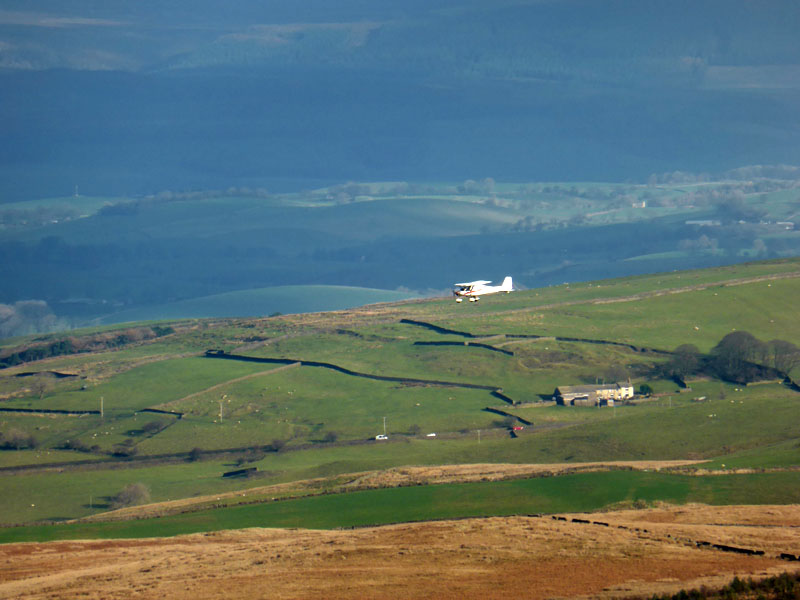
x=507 y=286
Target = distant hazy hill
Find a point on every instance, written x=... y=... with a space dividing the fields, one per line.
x=180 y=251
x=129 y=99
x=633 y=41
x=262 y=302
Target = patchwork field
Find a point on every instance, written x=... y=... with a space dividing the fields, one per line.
x=170 y=407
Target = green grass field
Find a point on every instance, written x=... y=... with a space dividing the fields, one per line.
x=325 y=419
x=569 y=493
x=749 y=430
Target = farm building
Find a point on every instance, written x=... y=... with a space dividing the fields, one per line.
x=592 y=395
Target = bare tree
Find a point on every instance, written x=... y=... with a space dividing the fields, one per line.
x=40 y=384
x=131 y=495
x=16 y=439
x=735 y=355
x=685 y=361
x=784 y=355
x=277 y=444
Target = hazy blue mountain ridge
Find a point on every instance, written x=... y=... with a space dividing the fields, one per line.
x=171 y=249
x=192 y=96
x=457 y=38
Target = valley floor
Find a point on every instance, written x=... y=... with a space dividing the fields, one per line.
x=613 y=554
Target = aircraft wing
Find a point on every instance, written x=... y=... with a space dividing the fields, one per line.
x=480 y=282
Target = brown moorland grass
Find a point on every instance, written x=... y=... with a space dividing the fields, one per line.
x=515 y=557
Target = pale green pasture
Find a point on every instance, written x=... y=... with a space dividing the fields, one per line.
x=61 y=495
x=760 y=417
x=147 y=385
x=701 y=317
x=48 y=430
x=124 y=429
x=305 y=404
x=211 y=434
x=536 y=367
x=478 y=318
x=548 y=416
x=395 y=359
x=779 y=455
x=539 y=366
x=16 y=458
x=753 y=417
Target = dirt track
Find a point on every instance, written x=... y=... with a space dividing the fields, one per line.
x=530 y=557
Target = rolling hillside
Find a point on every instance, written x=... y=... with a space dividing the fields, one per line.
x=253 y=303
x=168 y=255
x=302 y=396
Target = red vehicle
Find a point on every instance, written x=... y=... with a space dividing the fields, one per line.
x=518 y=428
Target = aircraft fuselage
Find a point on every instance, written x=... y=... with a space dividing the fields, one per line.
x=473 y=290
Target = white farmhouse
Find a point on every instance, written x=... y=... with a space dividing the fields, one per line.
x=593 y=395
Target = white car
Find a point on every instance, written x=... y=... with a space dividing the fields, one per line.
x=381 y=437
x=431 y=435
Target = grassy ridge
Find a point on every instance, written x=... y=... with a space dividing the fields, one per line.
x=698 y=316
x=621 y=287
x=579 y=492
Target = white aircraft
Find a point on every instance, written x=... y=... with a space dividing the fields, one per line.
x=475 y=289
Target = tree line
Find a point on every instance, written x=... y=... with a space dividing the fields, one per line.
x=75 y=345
x=739 y=357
